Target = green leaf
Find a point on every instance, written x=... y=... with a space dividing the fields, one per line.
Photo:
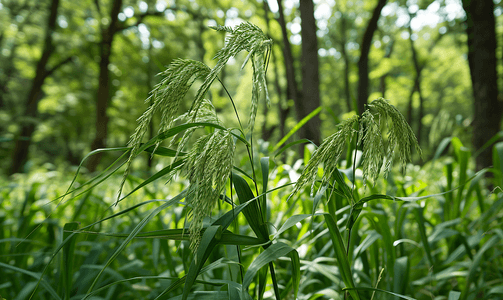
x=252 y=212
x=209 y=240
x=68 y=256
x=401 y=275
x=133 y=234
x=264 y=165
x=270 y=254
x=163 y=151
x=37 y=276
x=297 y=127
x=287 y=146
x=474 y=267
x=378 y=290
x=454 y=295
x=340 y=254
x=177 y=164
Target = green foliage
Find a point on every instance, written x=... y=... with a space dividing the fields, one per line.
x=427 y=234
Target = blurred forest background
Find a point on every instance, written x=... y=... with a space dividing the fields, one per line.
x=74 y=75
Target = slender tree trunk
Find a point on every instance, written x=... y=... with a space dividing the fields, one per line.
x=487 y=108
x=363 y=68
x=292 y=92
x=21 y=148
x=345 y=57
x=417 y=87
x=382 y=83
x=267 y=133
x=310 y=74
x=103 y=94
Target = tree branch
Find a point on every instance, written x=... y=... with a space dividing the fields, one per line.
x=58 y=65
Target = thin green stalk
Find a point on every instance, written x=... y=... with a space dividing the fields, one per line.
x=233 y=104
x=274 y=281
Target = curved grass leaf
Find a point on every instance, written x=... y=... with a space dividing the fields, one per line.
x=378 y=290
x=287 y=146
x=68 y=255
x=34 y=275
x=297 y=127
x=264 y=165
x=133 y=234
x=474 y=268
x=252 y=212
x=177 y=164
x=210 y=239
x=269 y=255
x=340 y=254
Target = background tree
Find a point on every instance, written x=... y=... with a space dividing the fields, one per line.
x=363 y=69
x=21 y=148
x=310 y=74
x=487 y=108
x=103 y=93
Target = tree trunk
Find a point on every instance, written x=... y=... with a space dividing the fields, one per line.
x=382 y=80
x=487 y=109
x=345 y=57
x=103 y=94
x=21 y=148
x=417 y=87
x=292 y=92
x=363 y=62
x=267 y=132
x=310 y=74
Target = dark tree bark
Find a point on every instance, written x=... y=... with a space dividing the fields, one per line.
x=292 y=92
x=345 y=57
x=267 y=132
x=417 y=88
x=382 y=80
x=363 y=67
x=487 y=108
x=103 y=94
x=21 y=148
x=310 y=74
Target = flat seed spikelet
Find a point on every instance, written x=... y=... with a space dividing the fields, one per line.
x=208 y=166
x=328 y=154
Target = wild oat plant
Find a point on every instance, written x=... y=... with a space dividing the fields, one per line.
x=336 y=263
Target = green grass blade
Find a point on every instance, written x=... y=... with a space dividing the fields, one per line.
x=340 y=253
x=68 y=257
x=163 y=151
x=498 y=162
x=422 y=231
x=289 y=145
x=291 y=222
x=297 y=127
x=133 y=234
x=474 y=268
x=378 y=290
x=463 y=158
x=264 y=165
x=209 y=240
x=401 y=275
x=270 y=254
x=252 y=211
x=177 y=164
x=34 y=275
x=454 y=295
